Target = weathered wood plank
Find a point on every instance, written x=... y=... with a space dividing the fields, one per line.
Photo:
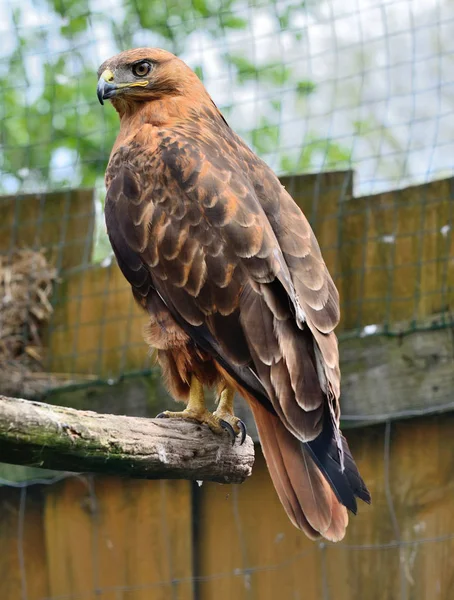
x=256 y=552
x=61 y=222
x=54 y=437
x=399 y=547
x=408 y=532
x=396 y=252
x=97 y=326
x=119 y=538
x=383 y=377
x=132 y=539
x=23 y=568
x=400 y=376
x=140 y=395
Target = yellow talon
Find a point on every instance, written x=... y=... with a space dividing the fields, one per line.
x=225 y=414
x=196 y=409
x=222 y=419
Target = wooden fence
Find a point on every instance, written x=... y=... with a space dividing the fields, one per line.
x=390 y=254
x=119 y=539
x=100 y=537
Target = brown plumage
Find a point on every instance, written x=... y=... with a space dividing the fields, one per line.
x=232 y=277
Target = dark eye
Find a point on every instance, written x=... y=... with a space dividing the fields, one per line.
x=141 y=69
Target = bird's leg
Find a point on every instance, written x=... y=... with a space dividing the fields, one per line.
x=222 y=419
x=195 y=409
x=226 y=416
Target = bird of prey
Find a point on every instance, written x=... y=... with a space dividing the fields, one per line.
x=230 y=273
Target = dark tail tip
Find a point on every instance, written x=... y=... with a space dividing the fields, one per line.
x=347 y=484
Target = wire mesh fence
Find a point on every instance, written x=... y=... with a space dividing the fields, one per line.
x=351 y=104
x=79 y=537
x=311 y=86
x=358 y=95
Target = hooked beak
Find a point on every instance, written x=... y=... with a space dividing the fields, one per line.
x=106 y=88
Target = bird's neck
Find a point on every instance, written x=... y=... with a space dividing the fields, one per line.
x=160 y=113
x=153 y=112
x=163 y=110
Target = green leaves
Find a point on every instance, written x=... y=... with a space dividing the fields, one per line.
x=232 y=22
x=305 y=88
x=276 y=74
x=317 y=153
x=48 y=107
x=265 y=138
x=198 y=70
x=245 y=69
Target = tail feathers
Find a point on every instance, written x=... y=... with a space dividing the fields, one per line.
x=304 y=491
x=283 y=486
x=339 y=522
x=347 y=483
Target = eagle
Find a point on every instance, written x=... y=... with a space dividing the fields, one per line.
x=231 y=276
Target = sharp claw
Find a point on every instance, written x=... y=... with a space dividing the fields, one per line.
x=225 y=425
x=243 y=431
x=162 y=415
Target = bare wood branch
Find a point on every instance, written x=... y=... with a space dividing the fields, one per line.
x=55 y=437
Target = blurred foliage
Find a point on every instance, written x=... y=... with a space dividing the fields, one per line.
x=53 y=133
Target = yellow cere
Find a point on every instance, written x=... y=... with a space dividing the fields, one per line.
x=107 y=75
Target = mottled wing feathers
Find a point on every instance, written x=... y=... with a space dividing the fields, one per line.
x=315 y=296
x=313 y=285
x=187 y=216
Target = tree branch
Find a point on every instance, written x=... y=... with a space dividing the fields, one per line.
x=54 y=437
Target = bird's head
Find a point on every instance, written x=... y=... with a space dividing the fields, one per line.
x=143 y=74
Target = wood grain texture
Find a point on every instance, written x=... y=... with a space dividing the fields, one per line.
x=383 y=377
x=54 y=437
x=401 y=547
x=395 y=255
x=61 y=222
x=97 y=328
x=23 y=567
x=400 y=376
x=119 y=539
